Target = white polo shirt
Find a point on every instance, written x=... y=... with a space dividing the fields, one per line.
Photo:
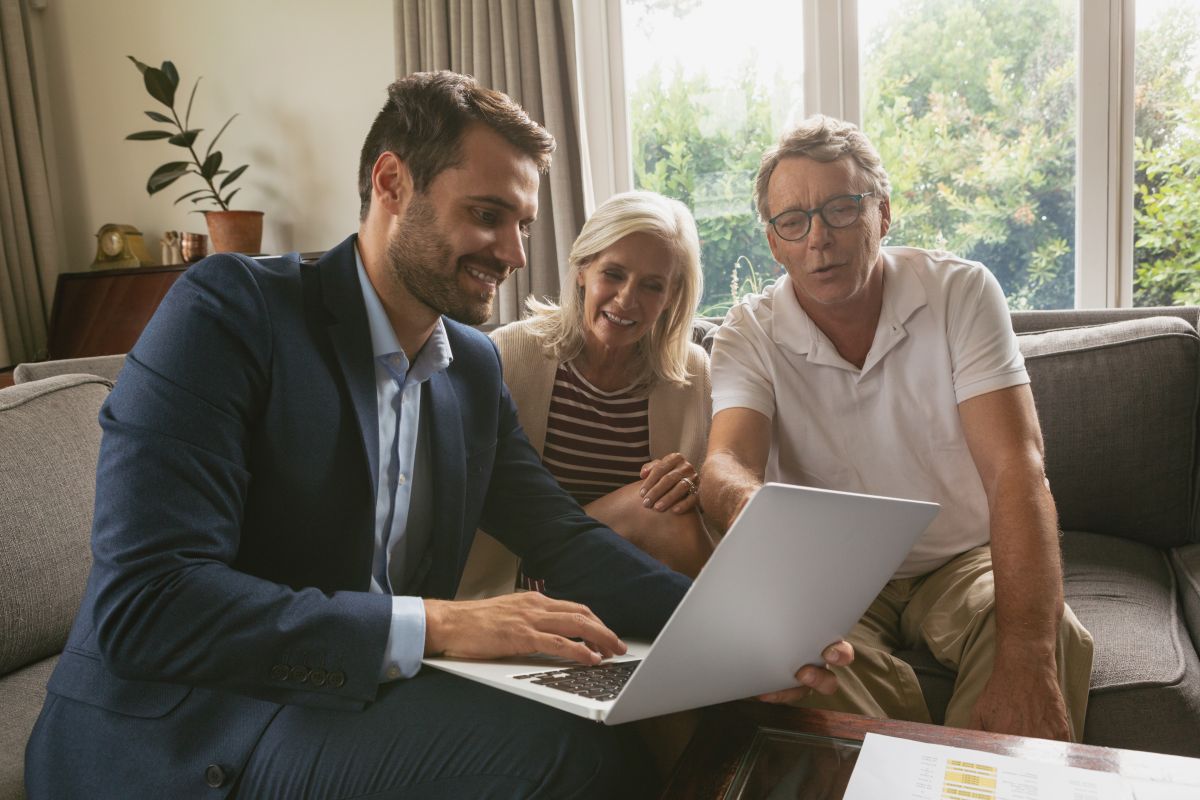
x=891 y=428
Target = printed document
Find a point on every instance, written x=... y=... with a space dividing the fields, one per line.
x=908 y=770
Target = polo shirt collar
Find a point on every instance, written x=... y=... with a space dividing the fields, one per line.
x=903 y=292
x=794 y=330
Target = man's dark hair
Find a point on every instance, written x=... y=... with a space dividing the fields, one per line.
x=424 y=120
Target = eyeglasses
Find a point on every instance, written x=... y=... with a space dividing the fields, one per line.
x=838 y=212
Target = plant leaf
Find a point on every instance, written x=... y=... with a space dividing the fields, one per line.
x=165 y=175
x=183 y=197
x=157 y=117
x=206 y=196
x=187 y=115
x=171 y=166
x=159 y=86
x=172 y=74
x=146 y=136
x=185 y=138
x=211 y=164
x=233 y=176
x=229 y=196
x=141 y=67
x=218 y=136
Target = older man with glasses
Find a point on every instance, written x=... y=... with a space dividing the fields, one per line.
x=895 y=371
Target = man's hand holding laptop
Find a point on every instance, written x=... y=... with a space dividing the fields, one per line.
x=813 y=678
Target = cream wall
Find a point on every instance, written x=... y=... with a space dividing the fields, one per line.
x=305 y=77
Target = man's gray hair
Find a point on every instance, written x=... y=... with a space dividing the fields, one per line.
x=826 y=139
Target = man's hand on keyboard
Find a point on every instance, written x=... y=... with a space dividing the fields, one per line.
x=516 y=624
x=813 y=678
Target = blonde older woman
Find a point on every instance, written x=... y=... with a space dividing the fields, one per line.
x=610 y=389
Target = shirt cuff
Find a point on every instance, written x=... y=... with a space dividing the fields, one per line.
x=406 y=639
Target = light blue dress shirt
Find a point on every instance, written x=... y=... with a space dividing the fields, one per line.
x=404 y=494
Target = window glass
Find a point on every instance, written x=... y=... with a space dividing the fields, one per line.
x=1166 y=202
x=972 y=104
x=711 y=84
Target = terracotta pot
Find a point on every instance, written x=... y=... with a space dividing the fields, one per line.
x=235 y=231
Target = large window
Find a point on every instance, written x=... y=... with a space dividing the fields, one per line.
x=1015 y=131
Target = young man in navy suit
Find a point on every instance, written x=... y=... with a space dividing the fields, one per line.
x=294 y=462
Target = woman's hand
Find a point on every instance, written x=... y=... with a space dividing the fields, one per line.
x=670 y=484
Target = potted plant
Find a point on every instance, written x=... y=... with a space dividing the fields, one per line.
x=231 y=231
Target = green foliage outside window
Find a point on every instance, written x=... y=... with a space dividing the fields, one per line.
x=972 y=105
x=1167 y=219
x=1167 y=163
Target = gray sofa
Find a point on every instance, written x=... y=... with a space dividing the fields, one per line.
x=1118 y=402
x=49 y=440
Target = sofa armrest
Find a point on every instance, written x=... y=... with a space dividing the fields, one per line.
x=103 y=366
x=1186 y=561
x=1037 y=321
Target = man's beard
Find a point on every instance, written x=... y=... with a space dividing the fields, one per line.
x=420 y=258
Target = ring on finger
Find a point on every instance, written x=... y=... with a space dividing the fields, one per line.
x=692 y=486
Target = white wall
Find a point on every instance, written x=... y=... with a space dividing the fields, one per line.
x=305 y=77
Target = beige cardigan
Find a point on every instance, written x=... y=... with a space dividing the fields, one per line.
x=679 y=417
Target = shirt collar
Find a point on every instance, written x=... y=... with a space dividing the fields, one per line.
x=794 y=330
x=903 y=291
x=434 y=356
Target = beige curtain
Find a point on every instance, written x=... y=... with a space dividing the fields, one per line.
x=526 y=49
x=28 y=231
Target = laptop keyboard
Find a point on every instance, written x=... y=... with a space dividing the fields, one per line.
x=599 y=682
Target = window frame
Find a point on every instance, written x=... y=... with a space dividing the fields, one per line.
x=1104 y=177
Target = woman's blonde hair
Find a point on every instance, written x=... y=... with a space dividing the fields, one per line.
x=663 y=352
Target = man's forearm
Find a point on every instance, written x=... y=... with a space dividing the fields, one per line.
x=1027 y=567
x=726 y=485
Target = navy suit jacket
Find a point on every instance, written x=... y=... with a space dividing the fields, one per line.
x=234 y=527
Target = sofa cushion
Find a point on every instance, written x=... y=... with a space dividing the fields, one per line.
x=1145 y=672
x=1144 y=666
x=1187 y=571
x=1117 y=405
x=21 y=696
x=50 y=440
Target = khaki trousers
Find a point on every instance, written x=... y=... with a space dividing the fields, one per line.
x=950 y=611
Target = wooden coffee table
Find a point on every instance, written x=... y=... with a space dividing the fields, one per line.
x=748 y=750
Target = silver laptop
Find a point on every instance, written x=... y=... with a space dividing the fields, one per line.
x=792 y=575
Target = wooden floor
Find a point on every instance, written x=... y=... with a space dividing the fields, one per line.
x=6 y=378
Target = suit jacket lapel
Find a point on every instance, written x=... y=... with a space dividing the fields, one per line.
x=351 y=338
x=449 y=482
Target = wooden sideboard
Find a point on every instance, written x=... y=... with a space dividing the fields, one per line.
x=102 y=312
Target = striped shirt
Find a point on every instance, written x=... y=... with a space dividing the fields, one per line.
x=596 y=441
